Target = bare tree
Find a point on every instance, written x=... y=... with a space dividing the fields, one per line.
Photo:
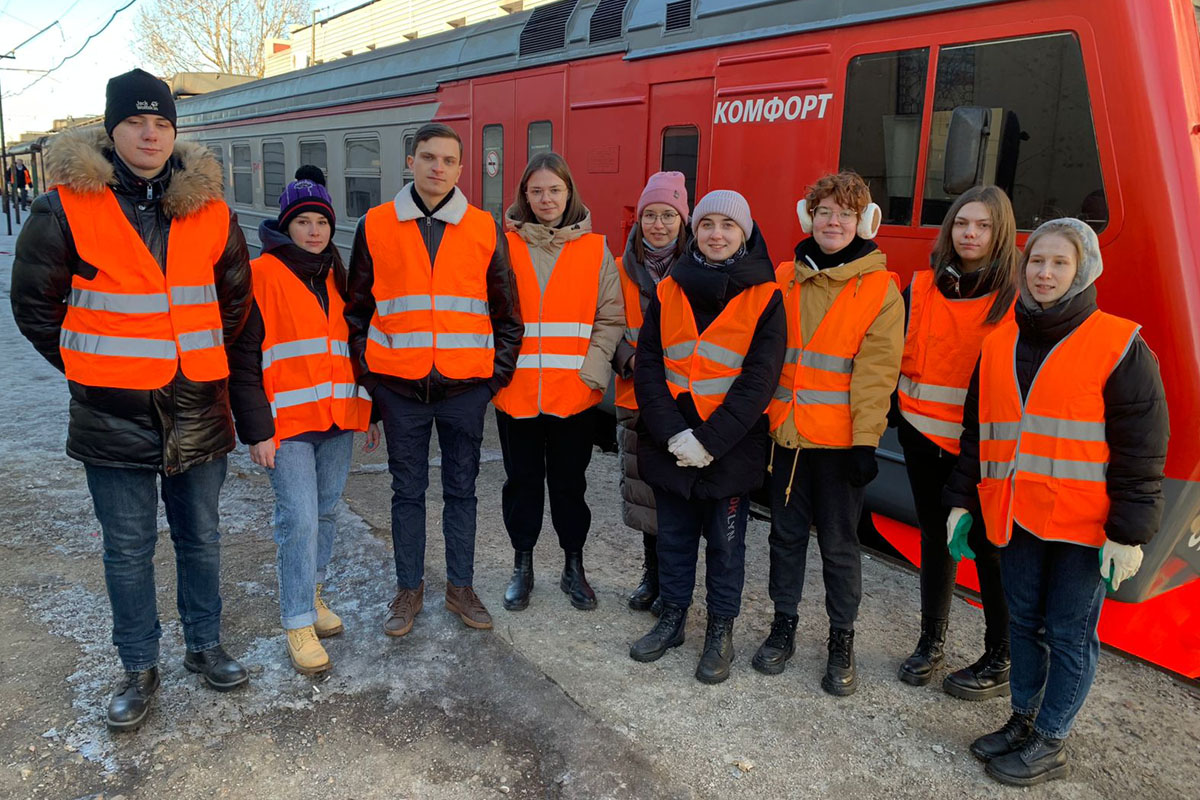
x=225 y=35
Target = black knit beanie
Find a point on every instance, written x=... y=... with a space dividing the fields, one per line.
x=136 y=92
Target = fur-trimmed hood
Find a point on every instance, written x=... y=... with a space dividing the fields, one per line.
x=451 y=213
x=81 y=160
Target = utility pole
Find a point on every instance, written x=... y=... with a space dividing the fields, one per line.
x=8 y=205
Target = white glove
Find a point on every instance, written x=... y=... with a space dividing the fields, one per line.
x=688 y=450
x=1119 y=562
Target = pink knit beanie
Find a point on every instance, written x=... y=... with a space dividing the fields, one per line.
x=665 y=187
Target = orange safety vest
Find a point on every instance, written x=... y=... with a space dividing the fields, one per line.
x=134 y=325
x=632 y=295
x=306 y=366
x=941 y=347
x=547 y=380
x=1043 y=462
x=814 y=386
x=430 y=315
x=706 y=364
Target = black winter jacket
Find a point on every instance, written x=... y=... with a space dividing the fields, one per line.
x=1135 y=422
x=736 y=433
x=184 y=423
x=503 y=304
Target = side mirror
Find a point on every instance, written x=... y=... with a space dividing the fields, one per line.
x=966 y=147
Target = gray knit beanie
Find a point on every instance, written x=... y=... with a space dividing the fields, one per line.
x=727 y=203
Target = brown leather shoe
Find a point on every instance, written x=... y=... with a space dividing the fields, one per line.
x=403 y=610
x=463 y=601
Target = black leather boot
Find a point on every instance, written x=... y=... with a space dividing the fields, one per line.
x=516 y=596
x=987 y=677
x=666 y=633
x=717 y=655
x=1004 y=741
x=918 y=668
x=840 y=677
x=646 y=593
x=1039 y=760
x=216 y=669
x=780 y=644
x=130 y=703
x=574 y=582
x=657 y=606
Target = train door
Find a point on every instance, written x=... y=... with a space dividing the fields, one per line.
x=492 y=126
x=539 y=119
x=680 y=131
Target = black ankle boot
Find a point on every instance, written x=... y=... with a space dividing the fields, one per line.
x=646 y=593
x=666 y=633
x=780 y=644
x=717 y=656
x=918 y=668
x=130 y=703
x=987 y=677
x=657 y=606
x=1004 y=741
x=217 y=669
x=574 y=582
x=516 y=596
x=840 y=677
x=1039 y=760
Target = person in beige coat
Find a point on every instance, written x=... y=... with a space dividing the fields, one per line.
x=570 y=296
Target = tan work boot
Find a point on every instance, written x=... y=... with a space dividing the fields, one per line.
x=306 y=652
x=328 y=623
x=403 y=610
x=463 y=601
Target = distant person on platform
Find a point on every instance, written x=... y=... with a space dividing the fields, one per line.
x=435 y=329
x=139 y=330
x=21 y=180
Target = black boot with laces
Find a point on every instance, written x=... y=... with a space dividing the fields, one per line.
x=840 y=677
x=666 y=633
x=780 y=644
x=718 y=650
x=918 y=668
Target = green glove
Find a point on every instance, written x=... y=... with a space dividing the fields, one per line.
x=958 y=524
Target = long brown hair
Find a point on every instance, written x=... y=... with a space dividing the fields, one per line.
x=999 y=273
x=639 y=241
x=556 y=164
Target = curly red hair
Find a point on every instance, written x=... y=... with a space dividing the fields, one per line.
x=846 y=188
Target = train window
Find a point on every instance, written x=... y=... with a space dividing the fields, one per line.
x=492 y=165
x=219 y=154
x=541 y=137
x=410 y=139
x=274 y=172
x=314 y=152
x=362 y=175
x=243 y=180
x=881 y=128
x=1041 y=144
x=680 y=153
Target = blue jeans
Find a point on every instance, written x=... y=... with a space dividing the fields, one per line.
x=308 y=480
x=126 y=503
x=681 y=523
x=1054 y=594
x=407 y=425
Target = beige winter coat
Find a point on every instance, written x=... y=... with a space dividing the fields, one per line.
x=545 y=243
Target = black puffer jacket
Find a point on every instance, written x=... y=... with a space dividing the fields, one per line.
x=1136 y=424
x=735 y=434
x=184 y=423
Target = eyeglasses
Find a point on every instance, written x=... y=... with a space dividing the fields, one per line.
x=823 y=214
x=554 y=192
x=666 y=218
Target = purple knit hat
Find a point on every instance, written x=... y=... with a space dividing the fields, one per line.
x=301 y=196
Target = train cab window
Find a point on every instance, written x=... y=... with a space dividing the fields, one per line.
x=410 y=139
x=1038 y=143
x=274 y=173
x=680 y=153
x=313 y=152
x=243 y=179
x=541 y=138
x=881 y=128
x=363 y=175
x=492 y=165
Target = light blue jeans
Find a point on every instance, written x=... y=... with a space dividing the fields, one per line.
x=308 y=480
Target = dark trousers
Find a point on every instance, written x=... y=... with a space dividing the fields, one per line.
x=126 y=503
x=928 y=471
x=546 y=453
x=821 y=495
x=681 y=523
x=407 y=425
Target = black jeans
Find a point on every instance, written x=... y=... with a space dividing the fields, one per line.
x=540 y=453
x=681 y=522
x=928 y=470
x=821 y=495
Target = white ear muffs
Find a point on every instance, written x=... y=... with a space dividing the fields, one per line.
x=804 y=217
x=869 y=221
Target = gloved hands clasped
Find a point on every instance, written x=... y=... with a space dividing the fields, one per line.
x=863 y=467
x=688 y=451
x=958 y=525
x=1119 y=563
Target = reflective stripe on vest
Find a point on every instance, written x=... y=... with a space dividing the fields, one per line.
x=306 y=370
x=707 y=364
x=135 y=324
x=558 y=330
x=1043 y=461
x=430 y=315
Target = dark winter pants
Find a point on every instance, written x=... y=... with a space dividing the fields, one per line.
x=681 y=523
x=928 y=471
x=407 y=424
x=822 y=496
x=546 y=453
